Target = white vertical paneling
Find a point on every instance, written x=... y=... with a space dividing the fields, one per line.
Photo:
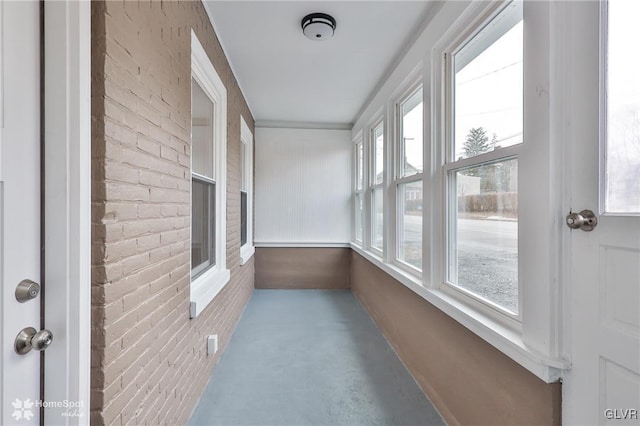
x=303 y=186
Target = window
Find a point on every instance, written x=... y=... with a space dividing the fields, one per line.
x=479 y=143
x=208 y=181
x=409 y=196
x=485 y=80
x=359 y=190
x=203 y=184
x=622 y=122
x=246 y=193
x=377 y=181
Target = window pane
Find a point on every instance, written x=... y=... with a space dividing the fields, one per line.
x=377 y=236
x=202 y=226
x=623 y=109
x=243 y=166
x=201 y=131
x=483 y=239
x=488 y=90
x=378 y=150
x=359 y=166
x=359 y=212
x=411 y=137
x=243 y=218
x=410 y=223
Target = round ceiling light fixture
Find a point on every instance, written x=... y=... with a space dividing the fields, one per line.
x=318 y=26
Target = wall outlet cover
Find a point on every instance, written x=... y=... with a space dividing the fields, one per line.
x=212 y=344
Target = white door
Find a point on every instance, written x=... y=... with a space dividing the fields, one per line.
x=19 y=205
x=603 y=121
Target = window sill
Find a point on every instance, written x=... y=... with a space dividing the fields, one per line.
x=205 y=288
x=286 y=244
x=505 y=339
x=246 y=253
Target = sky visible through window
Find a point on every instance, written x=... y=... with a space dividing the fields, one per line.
x=412 y=132
x=489 y=93
x=623 y=108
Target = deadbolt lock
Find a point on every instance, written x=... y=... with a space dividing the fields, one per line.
x=27 y=290
x=29 y=338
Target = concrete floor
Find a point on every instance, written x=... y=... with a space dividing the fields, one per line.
x=310 y=357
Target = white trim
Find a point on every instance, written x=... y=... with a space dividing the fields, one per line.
x=505 y=339
x=205 y=288
x=372 y=185
x=412 y=85
x=246 y=253
x=207 y=9
x=359 y=166
x=270 y=124
x=68 y=206
x=283 y=244
x=246 y=139
x=208 y=285
x=2 y=37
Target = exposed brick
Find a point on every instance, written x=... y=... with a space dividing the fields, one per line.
x=149 y=363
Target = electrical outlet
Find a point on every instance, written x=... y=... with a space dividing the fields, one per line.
x=212 y=344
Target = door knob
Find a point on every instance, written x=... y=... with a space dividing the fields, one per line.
x=29 y=338
x=586 y=220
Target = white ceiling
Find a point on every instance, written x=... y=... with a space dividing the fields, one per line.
x=288 y=78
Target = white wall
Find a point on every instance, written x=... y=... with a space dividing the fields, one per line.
x=302 y=187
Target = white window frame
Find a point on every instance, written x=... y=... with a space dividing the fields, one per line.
x=373 y=186
x=532 y=339
x=205 y=287
x=246 y=139
x=536 y=342
x=452 y=165
x=358 y=164
x=398 y=179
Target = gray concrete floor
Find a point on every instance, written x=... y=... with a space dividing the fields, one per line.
x=310 y=357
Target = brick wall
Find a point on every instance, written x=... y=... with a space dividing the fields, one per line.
x=149 y=361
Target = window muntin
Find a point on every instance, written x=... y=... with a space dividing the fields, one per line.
x=622 y=105
x=488 y=86
x=410 y=141
x=203 y=184
x=481 y=171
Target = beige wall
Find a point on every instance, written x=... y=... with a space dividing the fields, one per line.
x=303 y=268
x=469 y=381
x=149 y=362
